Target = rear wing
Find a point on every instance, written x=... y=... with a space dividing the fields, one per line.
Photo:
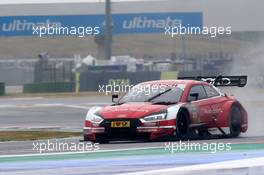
x=220 y=80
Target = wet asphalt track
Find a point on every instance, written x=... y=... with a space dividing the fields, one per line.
x=52 y=113
x=119 y=158
x=69 y=113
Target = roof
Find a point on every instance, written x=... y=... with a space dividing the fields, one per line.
x=171 y=82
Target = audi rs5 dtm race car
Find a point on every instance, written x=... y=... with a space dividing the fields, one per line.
x=175 y=109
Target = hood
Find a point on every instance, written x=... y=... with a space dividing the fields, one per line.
x=130 y=110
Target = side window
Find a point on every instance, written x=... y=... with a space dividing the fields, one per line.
x=199 y=90
x=210 y=91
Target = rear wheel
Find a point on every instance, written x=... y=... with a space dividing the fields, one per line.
x=182 y=125
x=235 y=122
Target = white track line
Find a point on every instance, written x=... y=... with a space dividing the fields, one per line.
x=82 y=106
x=7 y=106
x=32 y=105
x=48 y=105
x=77 y=106
x=26 y=98
x=98 y=103
x=243 y=163
x=29 y=128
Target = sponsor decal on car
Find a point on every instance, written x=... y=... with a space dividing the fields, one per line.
x=120 y=124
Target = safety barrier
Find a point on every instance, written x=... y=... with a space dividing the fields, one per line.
x=2 y=88
x=49 y=87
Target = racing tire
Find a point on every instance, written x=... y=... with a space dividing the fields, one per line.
x=235 y=122
x=85 y=139
x=182 y=125
x=102 y=141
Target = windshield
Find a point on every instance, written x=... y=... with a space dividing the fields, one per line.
x=153 y=94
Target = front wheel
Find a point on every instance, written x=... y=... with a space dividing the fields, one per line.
x=101 y=141
x=235 y=122
x=182 y=125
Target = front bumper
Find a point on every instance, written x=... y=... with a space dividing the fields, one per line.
x=137 y=131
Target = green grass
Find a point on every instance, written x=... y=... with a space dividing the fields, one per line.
x=34 y=135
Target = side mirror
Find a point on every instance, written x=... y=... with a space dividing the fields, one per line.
x=114 y=96
x=194 y=96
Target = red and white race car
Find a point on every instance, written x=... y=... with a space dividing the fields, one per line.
x=166 y=109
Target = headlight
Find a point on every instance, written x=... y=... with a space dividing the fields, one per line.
x=96 y=119
x=155 y=117
x=93 y=116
